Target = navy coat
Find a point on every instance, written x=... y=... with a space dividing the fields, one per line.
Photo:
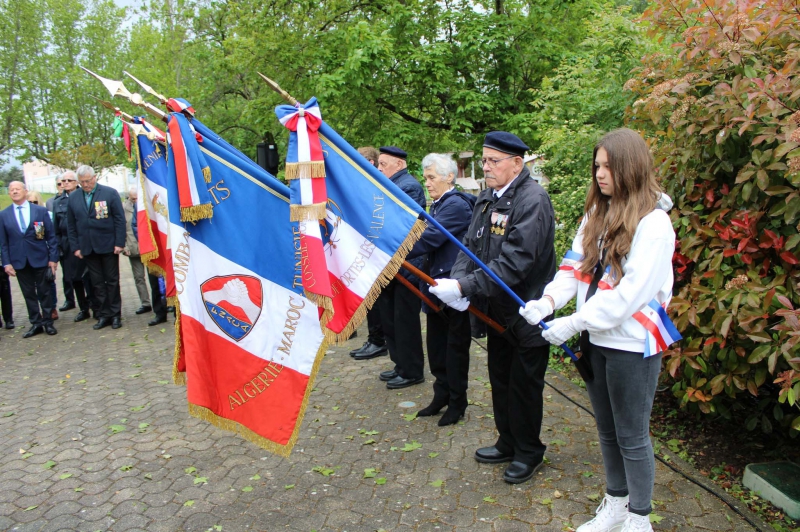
x=91 y=234
x=454 y=212
x=19 y=249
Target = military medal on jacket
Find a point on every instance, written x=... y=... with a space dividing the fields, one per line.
x=101 y=209
x=38 y=228
x=499 y=223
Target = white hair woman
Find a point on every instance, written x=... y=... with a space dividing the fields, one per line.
x=448 y=337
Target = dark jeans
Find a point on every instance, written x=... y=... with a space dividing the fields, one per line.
x=5 y=296
x=448 y=342
x=399 y=309
x=159 y=308
x=374 y=326
x=37 y=293
x=516 y=374
x=104 y=271
x=622 y=395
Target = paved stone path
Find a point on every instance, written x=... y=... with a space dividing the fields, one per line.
x=95 y=438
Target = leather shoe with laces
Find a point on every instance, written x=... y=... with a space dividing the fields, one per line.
x=517 y=472
x=66 y=306
x=102 y=322
x=357 y=350
x=116 y=322
x=157 y=320
x=399 y=382
x=371 y=351
x=490 y=455
x=144 y=309
x=82 y=315
x=33 y=331
x=387 y=375
x=49 y=329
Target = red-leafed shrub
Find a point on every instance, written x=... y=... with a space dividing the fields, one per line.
x=722 y=115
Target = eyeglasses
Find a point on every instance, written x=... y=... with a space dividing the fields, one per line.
x=492 y=163
x=70 y=180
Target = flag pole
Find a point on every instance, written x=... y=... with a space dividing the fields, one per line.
x=478 y=314
x=428 y=218
x=117 y=88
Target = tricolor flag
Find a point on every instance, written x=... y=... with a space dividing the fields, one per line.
x=252 y=340
x=370 y=226
x=190 y=169
x=661 y=332
x=305 y=171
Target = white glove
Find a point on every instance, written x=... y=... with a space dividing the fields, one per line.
x=447 y=290
x=535 y=310
x=461 y=304
x=562 y=329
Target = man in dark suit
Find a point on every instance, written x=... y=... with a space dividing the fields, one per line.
x=73 y=269
x=29 y=249
x=96 y=226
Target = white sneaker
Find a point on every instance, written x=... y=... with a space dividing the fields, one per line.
x=611 y=514
x=637 y=523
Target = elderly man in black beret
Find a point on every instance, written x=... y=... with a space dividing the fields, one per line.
x=512 y=231
x=399 y=307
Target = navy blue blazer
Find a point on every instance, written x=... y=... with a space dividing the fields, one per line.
x=19 y=249
x=91 y=231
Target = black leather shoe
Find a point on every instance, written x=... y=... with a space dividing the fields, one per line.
x=116 y=322
x=357 y=350
x=66 y=306
x=399 y=382
x=452 y=416
x=82 y=315
x=33 y=331
x=388 y=375
x=144 y=309
x=157 y=320
x=49 y=329
x=102 y=322
x=433 y=408
x=371 y=351
x=490 y=455
x=517 y=472
x=9 y=325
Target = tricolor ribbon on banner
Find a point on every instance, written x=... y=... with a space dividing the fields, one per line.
x=191 y=169
x=661 y=332
x=121 y=130
x=305 y=171
x=176 y=105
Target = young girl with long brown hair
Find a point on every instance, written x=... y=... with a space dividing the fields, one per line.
x=620 y=270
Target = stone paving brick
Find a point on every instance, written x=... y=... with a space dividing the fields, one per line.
x=136 y=479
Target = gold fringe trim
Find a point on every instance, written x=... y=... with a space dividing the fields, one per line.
x=172 y=301
x=149 y=256
x=178 y=377
x=323 y=302
x=155 y=269
x=299 y=213
x=207 y=174
x=307 y=170
x=205 y=414
x=197 y=212
x=384 y=279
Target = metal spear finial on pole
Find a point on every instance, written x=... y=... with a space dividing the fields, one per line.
x=112 y=107
x=117 y=88
x=277 y=88
x=147 y=88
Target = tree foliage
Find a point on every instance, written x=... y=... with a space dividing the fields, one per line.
x=722 y=113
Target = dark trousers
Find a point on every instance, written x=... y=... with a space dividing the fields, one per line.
x=104 y=272
x=76 y=281
x=374 y=326
x=516 y=374
x=448 y=342
x=399 y=311
x=159 y=307
x=66 y=280
x=37 y=293
x=5 y=296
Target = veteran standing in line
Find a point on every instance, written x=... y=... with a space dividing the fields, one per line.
x=96 y=225
x=448 y=334
x=399 y=307
x=29 y=250
x=75 y=277
x=512 y=231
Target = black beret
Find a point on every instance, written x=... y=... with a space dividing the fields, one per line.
x=505 y=142
x=394 y=151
